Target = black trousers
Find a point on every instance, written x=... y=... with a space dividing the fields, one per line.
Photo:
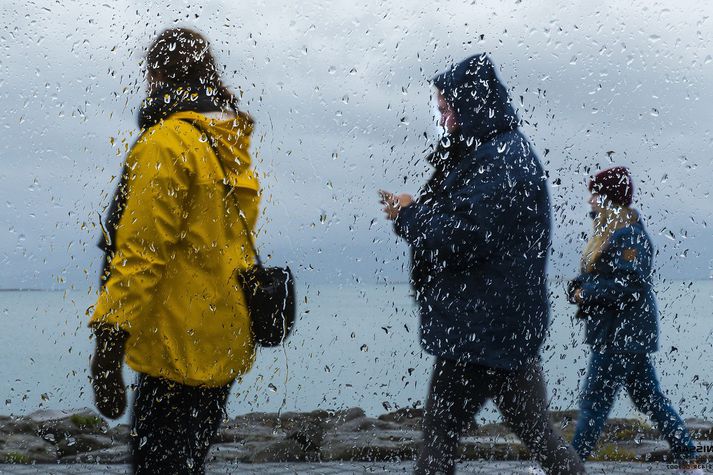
x=458 y=391
x=173 y=426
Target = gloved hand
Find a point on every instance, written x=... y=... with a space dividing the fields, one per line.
x=107 y=379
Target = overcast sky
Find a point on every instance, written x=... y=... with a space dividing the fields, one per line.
x=339 y=91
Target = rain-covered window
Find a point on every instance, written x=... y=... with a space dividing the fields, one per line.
x=509 y=196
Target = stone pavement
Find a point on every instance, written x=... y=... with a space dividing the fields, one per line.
x=334 y=468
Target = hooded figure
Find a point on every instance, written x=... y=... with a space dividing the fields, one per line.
x=479 y=235
x=480 y=231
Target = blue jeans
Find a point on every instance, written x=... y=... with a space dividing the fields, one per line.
x=607 y=373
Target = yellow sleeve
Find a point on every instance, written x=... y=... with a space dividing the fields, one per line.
x=148 y=229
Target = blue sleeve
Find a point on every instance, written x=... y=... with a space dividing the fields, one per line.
x=630 y=261
x=467 y=221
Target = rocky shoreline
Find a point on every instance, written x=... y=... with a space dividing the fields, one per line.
x=342 y=435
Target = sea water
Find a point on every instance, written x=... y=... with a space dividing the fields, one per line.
x=353 y=345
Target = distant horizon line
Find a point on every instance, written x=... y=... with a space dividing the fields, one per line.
x=399 y=282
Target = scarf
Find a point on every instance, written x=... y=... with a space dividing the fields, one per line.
x=169 y=99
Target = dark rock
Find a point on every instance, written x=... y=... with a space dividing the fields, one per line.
x=612 y=452
x=310 y=440
x=498 y=447
x=234 y=452
x=364 y=424
x=406 y=417
x=325 y=418
x=628 y=430
x=18 y=425
x=86 y=420
x=262 y=419
x=308 y=429
x=287 y=450
x=493 y=429
x=646 y=450
x=700 y=429
x=329 y=435
x=240 y=433
x=57 y=426
x=119 y=434
x=564 y=421
x=81 y=443
x=27 y=448
x=391 y=446
x=116 y=454
x=564 y=417
x=345 y=416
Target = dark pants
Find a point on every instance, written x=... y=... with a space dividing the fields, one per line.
x=607 y=373
x=173 y=426
x=458 y=391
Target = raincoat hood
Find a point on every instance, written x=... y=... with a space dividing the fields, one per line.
x=479 y=98
x=230 y=135
x=229 y=128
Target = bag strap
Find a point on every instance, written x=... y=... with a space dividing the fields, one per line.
x=229 y=189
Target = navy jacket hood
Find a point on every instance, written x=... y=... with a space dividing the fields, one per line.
x=479 y=98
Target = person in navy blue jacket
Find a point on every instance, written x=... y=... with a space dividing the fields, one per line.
x=615 y=298
x=479 y=235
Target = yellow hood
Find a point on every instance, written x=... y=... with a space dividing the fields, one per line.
x=231 y=137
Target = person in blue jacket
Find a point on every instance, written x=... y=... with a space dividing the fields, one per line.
x=479 y=234
x=615 y=297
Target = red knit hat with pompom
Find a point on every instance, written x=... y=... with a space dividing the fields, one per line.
x=615 y=184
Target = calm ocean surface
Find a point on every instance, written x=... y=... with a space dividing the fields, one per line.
x=354 y=345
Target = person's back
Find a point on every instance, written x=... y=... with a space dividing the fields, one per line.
x=179 y=245
x=170 y=302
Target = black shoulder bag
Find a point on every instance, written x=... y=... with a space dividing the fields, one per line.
x=269 y=291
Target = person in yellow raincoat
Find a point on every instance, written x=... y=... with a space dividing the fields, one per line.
x=169 y=304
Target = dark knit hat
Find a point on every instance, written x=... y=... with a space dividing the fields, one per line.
x=615 y=184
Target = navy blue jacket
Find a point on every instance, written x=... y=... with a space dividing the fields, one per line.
x=480 y=234
x=619 y=303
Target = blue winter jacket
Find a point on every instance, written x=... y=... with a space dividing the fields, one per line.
x=619 y=303
x=480 y=237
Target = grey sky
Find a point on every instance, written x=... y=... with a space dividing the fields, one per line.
x=340 y=95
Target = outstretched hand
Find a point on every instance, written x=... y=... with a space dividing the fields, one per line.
x=394 y=203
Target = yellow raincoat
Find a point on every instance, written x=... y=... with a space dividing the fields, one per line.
x=178 y=245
